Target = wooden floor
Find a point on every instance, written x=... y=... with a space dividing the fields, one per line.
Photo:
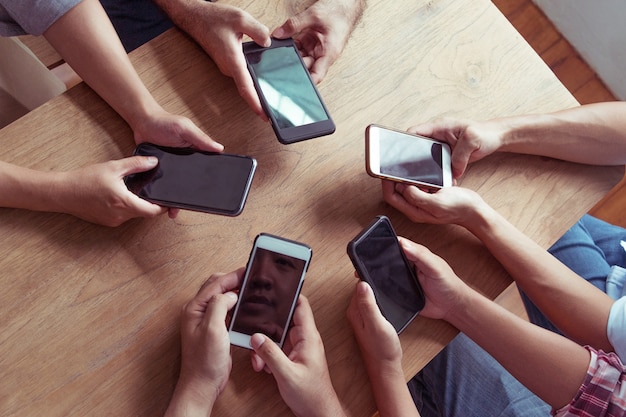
x=578 y=77
x=555 y=50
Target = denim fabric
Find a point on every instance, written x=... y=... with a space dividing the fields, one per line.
x=465 y=381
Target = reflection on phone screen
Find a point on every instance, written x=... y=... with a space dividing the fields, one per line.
x=411 y=158
x=397 y=292
x=269 y=293
x=286 y=87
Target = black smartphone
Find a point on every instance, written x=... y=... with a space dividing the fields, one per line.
x=270 y=288
x=194 y=180
x=380 y=261
x=287 y=92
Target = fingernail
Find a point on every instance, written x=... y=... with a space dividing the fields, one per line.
x=152 y=160
x=279 y=32
x=256 y=341
x=231 y=295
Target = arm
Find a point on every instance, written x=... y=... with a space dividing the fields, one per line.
x=88 y=42
x=322 y=31
x=575 y=306
x=205 y=350
x=590 y=134
x=550 y=365
x=219 y=29
x=95 y=193
x=382 y=354
x=302 y=373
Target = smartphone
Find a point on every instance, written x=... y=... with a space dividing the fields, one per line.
x=270 y=289
x=379 y=260
x=194 y=180
x=287 y=92
x=407 y=158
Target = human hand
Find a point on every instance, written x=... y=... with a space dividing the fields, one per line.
x=205 y=346
x=302 y=373
x=470 y=141
x=97 y=193
x=443 y=289
x=166 y=129
x=321 y=32
x=449 y=205
x=219 y=29
x=376 y=337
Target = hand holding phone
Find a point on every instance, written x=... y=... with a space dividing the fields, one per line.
x=194 y=180
x=269 y=292
x=411 y=159
x=287 y=92
x=379 y=260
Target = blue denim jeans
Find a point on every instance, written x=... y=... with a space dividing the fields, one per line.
x=464 y=380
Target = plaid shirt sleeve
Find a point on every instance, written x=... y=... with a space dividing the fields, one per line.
x=603 y=393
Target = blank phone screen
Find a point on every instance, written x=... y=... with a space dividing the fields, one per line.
x=286 y=87
x=411 y=158
x=268 y=295
x=217 y=183
x=398 y=294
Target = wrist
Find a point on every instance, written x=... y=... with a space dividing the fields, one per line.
x=192 y=399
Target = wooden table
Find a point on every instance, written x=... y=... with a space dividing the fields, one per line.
x=90 y=315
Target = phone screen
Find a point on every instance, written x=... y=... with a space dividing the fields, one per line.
x=190 y=179
x=379 y=260
x=287 y=91
x=269 y=293
x=405 y=156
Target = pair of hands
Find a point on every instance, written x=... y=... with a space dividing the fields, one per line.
x=470 y=142
x=301 y=371
x=321 y=32
x=97 y=193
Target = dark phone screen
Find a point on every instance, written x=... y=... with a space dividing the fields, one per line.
x=186 y=178
x=410 y=158
x=286 y=87
x=397 y=291
x=267 y=298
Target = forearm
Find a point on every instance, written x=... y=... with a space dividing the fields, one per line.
x=187 y=403
x=29 y=189
x=87 y=41
x=390 y=391
x=575 y=306
x=181 y=12
x=551 y=366
x=591 y=134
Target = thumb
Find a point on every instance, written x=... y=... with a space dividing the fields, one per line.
x=135 y=164
x=269 y=352
x=292 y=26
x=459 y=160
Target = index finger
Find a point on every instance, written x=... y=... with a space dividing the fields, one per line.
x=220 y=284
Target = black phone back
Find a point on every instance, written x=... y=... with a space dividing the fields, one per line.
x=378 y=259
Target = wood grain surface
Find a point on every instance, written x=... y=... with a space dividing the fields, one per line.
x=90 y=315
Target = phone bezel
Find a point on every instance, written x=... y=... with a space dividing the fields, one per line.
x=372 y=157
x=144 y=149
x=365 y=276
x=283 y=246
x=294 y=134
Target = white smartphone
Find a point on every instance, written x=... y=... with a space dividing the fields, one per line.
x=270 y=289
x=407 y=158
